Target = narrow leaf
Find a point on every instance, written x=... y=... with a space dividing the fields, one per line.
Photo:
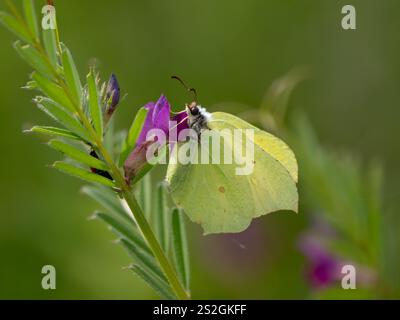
x=62 y=116
x=78 y=155
x=82 y=174
x=144 y=259
x=50 y=45
x=31 y=18
x=161 y=288
x=53 y=131
x=160 y=216
x=33 y=58
x=145 y=195
x=94 y=104
x=133 y=135
x=15 y=26
x=71 y=75
x=180 y=247
x=109 y=201
x=124 y=230
x=53 y=91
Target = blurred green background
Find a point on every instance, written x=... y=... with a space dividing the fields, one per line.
x=229 y=51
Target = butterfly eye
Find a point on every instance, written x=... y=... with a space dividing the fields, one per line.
x=195 y=111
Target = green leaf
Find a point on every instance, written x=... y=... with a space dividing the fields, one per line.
x=50 y=45
x=71 y=75
x=109 y=201
x=33 y=58
x=53 y=91
x=82 y=174
x=15 y=26
x=124 y=230
x=145 y=195
x=161 y=288
x=31 y=18
x=145 y=260
x=133 y=134
x=53 y=131
x=94 y=104
x=78 y=155
x=60 y=115
x=180 y=247
x=160 y=216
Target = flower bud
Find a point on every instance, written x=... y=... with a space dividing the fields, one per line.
x=112 y=96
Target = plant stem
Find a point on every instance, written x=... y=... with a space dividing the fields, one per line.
x=159 y=254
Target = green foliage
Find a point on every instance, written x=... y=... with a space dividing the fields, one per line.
x=142 y=258
x=81 y=111
x=50 y=45
x=78 y=155
x=15 y=26
x=349 y=199
x=31 y=19
x=62 y=116
x=71 y=75
x=124 y=227
x=54 y=92
x=82 y=173
x=349 y=195
x=53 y=131
x=158 y=286
x=94 y=104
x=107 y=199
x=124 y=231
x=144 y=195
x=161 y=218
x=33 y=58
x=180 y=247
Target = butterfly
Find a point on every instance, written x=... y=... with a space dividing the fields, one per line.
x=214 y=195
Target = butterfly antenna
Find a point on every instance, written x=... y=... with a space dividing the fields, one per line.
x=191 y=90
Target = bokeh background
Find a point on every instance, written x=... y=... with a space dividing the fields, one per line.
x=230 y=51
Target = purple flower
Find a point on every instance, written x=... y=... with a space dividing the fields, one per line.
x=158 y=117
x=323 y=268
x=112 y=95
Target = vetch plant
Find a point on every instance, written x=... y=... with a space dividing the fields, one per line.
x=84 y=111
x=213 y=195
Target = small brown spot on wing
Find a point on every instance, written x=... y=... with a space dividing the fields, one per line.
x=221 y=189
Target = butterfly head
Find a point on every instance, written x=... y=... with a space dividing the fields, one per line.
x=193 y=109
x=198 y=117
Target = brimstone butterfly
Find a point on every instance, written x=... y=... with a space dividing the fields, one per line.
x=214 y=196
